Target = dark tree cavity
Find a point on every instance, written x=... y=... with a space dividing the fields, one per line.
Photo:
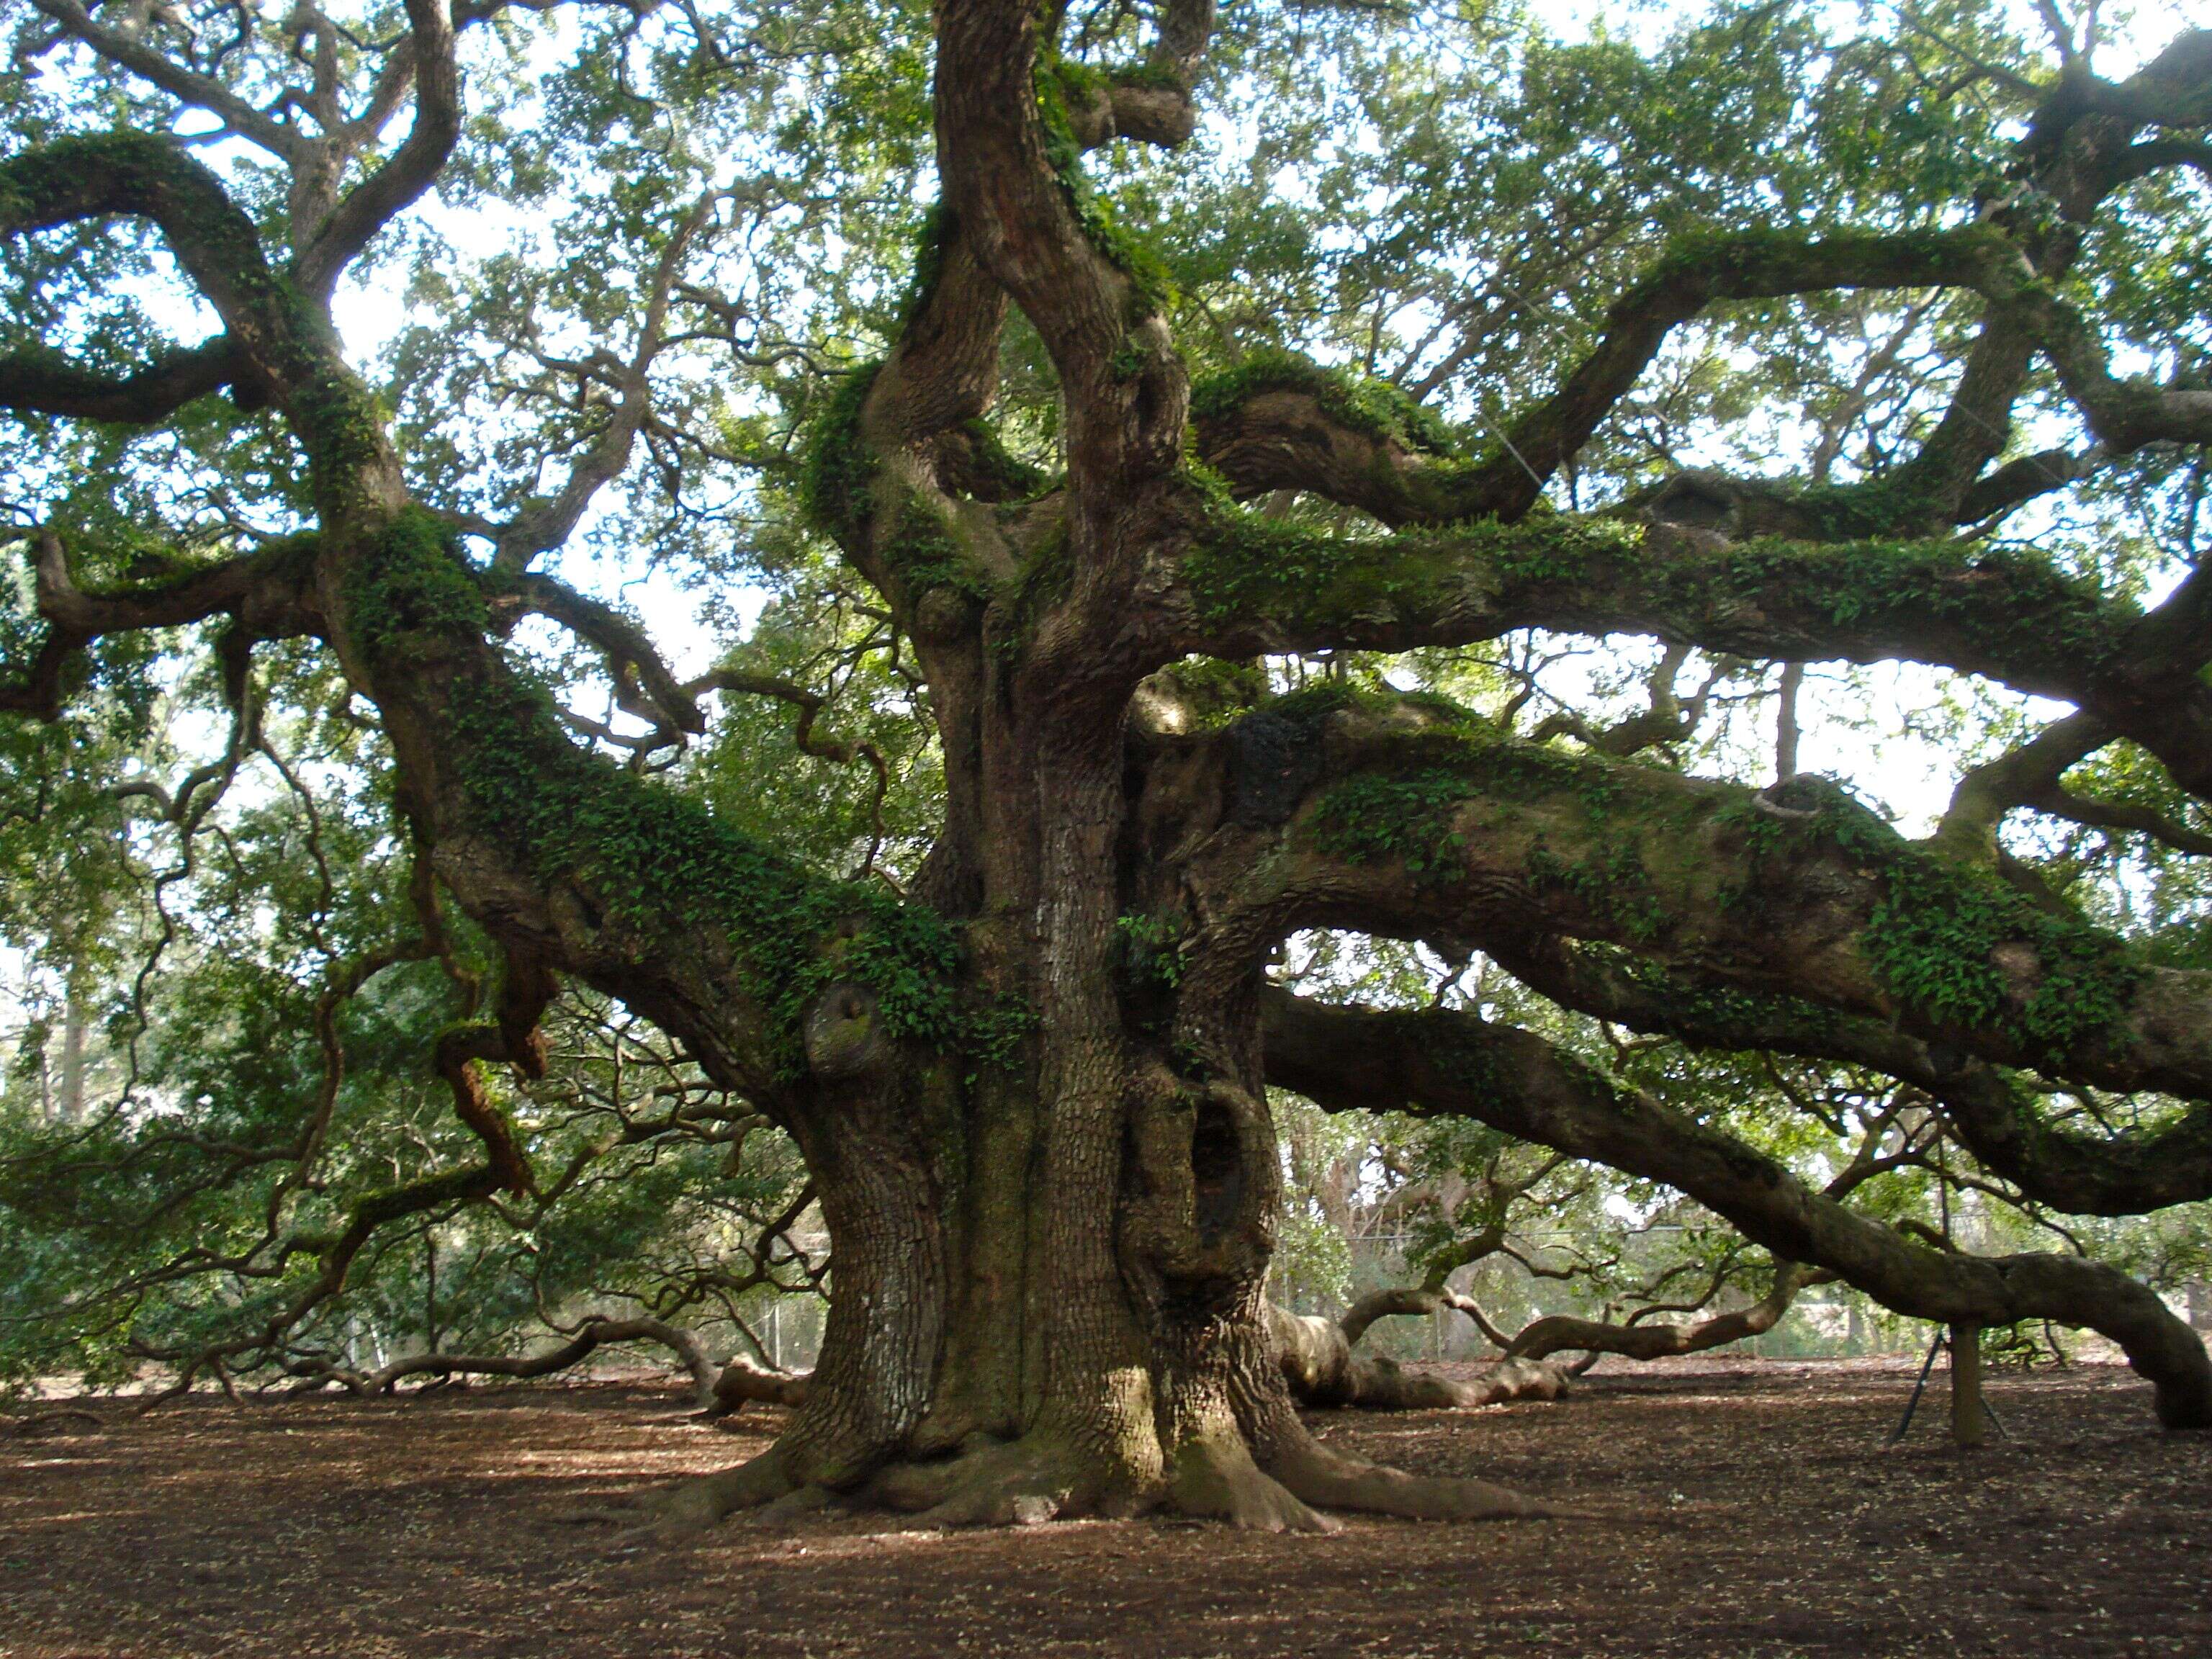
x=1030 y=1082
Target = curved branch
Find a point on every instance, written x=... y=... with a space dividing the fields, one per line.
x=143 y=175
x=1793 y=920
x=47 y=383
x=1562 y=1332
x=593 y=1334
x=271 y=593
x=1437 y=1061
x=185 y=85
x=547 y=524
x=1693 y=274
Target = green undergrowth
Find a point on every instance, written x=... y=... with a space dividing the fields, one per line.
x=653 y=862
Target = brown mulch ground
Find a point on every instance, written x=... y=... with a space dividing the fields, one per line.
x=418 y=1528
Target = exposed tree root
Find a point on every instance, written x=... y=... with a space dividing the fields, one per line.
x=67 y=1419
x=1311 y=1472
x=1217 y=1477
x=692 y=1507
x=993 y=1483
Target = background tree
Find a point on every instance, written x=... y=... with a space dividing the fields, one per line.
x=1204 y=546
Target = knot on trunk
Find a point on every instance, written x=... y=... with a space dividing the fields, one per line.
x=844 y=1035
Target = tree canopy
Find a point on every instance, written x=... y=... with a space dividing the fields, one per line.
x=661 y=654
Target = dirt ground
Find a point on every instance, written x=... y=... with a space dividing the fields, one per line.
x=419 y=1529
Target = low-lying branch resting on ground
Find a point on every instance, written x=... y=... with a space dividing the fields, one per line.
x=591 y=1336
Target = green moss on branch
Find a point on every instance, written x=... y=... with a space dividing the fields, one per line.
x=1151 y=290
x=654 y=863
x=1374 y=407
x=410 y=588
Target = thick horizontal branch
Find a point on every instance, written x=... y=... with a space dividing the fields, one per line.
x=1321 y=1369
x=270 y=593
x=1409 y=818
x=1437 y=1061
x=1249 y=585
x=1997 y=1117
x=47 y=383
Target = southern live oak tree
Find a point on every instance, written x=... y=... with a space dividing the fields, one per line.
x=1031 y=1083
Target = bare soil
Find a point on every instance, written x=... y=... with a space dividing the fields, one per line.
x=1780 y=1524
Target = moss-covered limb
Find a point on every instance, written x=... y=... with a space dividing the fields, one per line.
x=284 y=348
x=2124 y=414
x=48 y=383
x=880 y=498
x=460 y=1049
x=1280 y=420
x=1998 y=1117
x=1012 y=174
x=1416 y=822
x=1252 y=583
x=1448 y=1063
x=149 y=176
x=270 y=594
x=678 y=900
x=1148 y=286
x=1149 y=102
x=942 y=374
x=272 y=584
